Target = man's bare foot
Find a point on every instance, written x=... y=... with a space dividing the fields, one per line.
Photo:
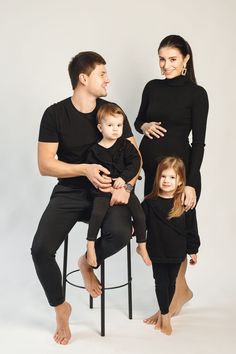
x=180 y=298
x=91 y=282
x=153 y=319
x=91 y=254
x=62 y=334
x=166 y=325
x=142 y=251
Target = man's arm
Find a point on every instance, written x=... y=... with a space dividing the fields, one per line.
x=133 y=141
x=49 y=165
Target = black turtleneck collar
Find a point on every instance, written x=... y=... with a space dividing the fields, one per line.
x=176 y=81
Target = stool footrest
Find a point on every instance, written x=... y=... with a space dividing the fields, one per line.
x=65 y=280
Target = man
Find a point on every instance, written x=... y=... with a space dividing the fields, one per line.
x=67 y=129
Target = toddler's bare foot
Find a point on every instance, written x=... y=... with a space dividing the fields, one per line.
x=91 y=254
x=142 y=251
x=166 y=325
x=91 y=282
x=62 y=334
x=153 y=319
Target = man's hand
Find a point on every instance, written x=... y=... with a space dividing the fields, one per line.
x=119 y=196
x=98 y=176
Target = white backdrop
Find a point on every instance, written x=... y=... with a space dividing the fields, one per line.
x=38 y=39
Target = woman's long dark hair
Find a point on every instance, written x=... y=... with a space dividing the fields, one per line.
x=175 y=41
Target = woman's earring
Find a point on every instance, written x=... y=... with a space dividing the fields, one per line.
x=162 y=72
x=184 y=71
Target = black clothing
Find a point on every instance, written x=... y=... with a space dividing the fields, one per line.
x=67 y=206
x=122 y=160
x=168 y=241
x=165 y=275
x=70 y=202
x=182 y=107
x=101 y=205
x=75 y=132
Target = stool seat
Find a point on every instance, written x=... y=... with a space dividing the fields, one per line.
x=102 y=280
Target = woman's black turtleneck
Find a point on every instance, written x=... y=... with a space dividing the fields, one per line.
x=182 y=107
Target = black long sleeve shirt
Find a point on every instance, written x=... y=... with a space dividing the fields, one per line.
x=182 y=107
x=168 y=241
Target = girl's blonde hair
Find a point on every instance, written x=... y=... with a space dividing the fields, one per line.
x=179 y=168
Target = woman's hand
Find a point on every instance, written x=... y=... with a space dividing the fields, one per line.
x=189 y=198
x=153 y=129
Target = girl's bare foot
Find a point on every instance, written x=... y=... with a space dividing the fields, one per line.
x=91 y=282
x=142 y=251
x=166 y=325
x=153 y=319
x=62 y=334
x=91 y=254
x=159 y=322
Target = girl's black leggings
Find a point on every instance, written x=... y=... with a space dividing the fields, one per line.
x=165 y=275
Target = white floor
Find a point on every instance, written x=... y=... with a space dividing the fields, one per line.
x=206 y=324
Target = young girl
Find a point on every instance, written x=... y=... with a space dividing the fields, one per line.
x=172 y=233
x=122 y=160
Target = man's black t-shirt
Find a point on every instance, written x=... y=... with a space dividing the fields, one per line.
x=75 y=132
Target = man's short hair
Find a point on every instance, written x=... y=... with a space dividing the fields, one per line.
x=83 y=63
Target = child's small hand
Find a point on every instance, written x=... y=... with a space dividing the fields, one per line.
x=119 y=183
x=193 y=259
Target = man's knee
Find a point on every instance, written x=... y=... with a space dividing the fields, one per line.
x=121 y=236
x=39 y=253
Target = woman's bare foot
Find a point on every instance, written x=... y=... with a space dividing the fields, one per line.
x=62 y=334
x=91 y=282
x=166 y=325
x=142 y=251
x=153 y=319
x=180 y=298
x=91 y=254
x=182 y=292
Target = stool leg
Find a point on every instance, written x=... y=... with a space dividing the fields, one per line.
x=90 y=302
x=103 y=299
x=129 y=281
x=65 y=266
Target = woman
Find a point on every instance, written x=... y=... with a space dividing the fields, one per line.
x=170 y=110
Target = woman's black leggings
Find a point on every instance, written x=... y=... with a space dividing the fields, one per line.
x=165 y=275
x=65 y=208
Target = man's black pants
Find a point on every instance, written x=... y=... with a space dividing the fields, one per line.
x=66 y=207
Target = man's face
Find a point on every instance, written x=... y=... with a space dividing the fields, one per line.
x=97 y=81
